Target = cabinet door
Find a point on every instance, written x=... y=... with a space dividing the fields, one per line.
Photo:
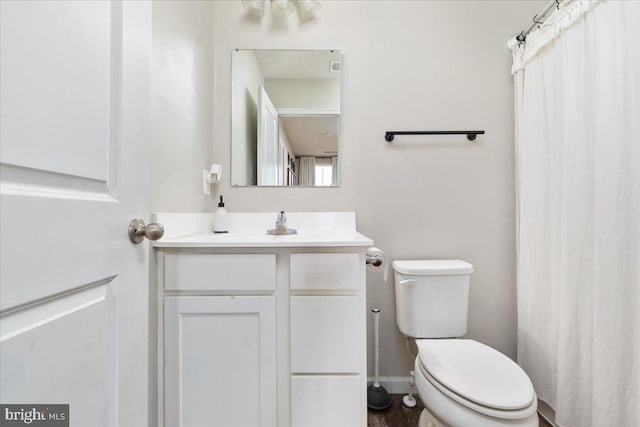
x=220 y=361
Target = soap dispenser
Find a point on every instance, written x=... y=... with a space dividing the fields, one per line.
x=221 y=219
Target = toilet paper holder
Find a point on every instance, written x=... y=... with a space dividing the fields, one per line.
x=375 y=260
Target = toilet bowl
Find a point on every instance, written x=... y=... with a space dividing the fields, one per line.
x=467 y=384
x=461 y=382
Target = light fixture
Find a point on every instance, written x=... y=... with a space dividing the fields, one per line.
x=307 y=9
x=255 y=6
x=282 y=7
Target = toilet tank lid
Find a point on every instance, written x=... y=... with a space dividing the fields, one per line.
x=433 y=267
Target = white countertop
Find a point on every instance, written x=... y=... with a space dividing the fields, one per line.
x=320 y=238
x=249 y=230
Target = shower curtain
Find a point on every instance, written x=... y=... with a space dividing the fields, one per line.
x=577 y=94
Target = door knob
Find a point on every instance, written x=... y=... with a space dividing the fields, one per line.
x=138 y=231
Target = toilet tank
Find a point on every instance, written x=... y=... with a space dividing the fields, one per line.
x=432 y=297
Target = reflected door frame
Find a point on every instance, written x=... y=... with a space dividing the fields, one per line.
x=268 y=140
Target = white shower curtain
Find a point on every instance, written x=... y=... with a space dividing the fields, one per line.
x=578 y=179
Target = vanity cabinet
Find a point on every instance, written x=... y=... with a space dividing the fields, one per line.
x=264 y=335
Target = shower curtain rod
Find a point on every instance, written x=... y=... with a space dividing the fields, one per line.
x=538 y=19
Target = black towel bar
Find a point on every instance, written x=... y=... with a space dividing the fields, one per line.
x=471 y=134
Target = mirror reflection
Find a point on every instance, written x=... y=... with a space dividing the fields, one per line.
x=285 y=117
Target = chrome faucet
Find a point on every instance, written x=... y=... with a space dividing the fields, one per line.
x=281 y=226
x=281 y=223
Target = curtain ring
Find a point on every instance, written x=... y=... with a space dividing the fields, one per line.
x=535 y=21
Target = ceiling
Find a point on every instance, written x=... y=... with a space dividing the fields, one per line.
x=312 y=136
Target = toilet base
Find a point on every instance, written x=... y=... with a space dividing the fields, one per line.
x=428 y=420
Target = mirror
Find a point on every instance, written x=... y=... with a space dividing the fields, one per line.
x=285 y=117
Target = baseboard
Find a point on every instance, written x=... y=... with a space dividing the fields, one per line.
x=394 y=385
x=547 y=413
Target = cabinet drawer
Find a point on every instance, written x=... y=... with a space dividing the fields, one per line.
x=219 y=272
x=325 y=271
x=327 y=400
x=325 y=334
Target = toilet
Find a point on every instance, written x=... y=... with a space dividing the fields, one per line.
x=461 y=382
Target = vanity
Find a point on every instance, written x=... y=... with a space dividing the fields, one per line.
x=262 y=330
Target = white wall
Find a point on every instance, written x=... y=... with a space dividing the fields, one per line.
x=181 y=105
x=407 y=65
x=246 y=79
x=181 y=125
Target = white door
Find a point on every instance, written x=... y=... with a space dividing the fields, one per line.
x=268 y=141
x=220 y=361
x=73 y=289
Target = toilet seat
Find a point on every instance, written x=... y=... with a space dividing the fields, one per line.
x=477 y=377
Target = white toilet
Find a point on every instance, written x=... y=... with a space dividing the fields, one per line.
x=461 y=382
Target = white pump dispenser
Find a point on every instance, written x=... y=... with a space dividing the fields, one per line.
x=221 y=225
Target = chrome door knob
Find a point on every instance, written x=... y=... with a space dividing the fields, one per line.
x=138 y=231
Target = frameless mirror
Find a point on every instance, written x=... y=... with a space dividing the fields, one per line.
x=285 y=117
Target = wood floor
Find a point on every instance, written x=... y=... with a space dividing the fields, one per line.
x=400 y=416
x=397 y=415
